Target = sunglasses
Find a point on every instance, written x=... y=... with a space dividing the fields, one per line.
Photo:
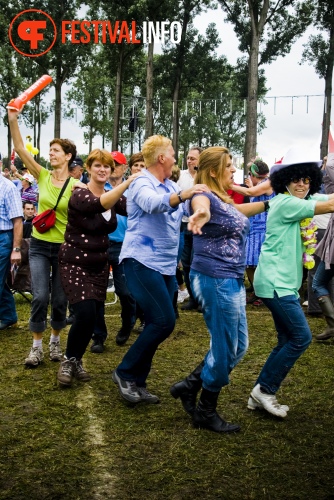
x=295 y=180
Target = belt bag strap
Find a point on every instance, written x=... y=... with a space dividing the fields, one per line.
x=62 y=192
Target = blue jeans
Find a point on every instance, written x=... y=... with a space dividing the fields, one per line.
x=224 y=308
x=128 y=303
x=43 y=259
x=154 y=293
x=321 y=280
x=7 y=304
x=293 y=335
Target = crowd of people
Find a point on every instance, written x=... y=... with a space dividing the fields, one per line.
x=147 y=220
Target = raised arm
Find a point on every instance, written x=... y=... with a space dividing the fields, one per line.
x=28 y=160
x=263 y=188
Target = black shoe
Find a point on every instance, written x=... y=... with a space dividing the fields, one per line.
x=70 y=319
x=188 y=388
x=199 y=308
x=97 y=346
x=147 y=397
x=122 y=336
x=189 y=306
x=206 y=417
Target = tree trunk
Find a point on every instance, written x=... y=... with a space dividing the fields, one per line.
x=57 y=107
x=251 y=111
x=178 y=74
x=149 y=92
x=117 y=108
x=326 y=121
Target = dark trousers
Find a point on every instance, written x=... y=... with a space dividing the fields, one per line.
x=154 y=292
x=85 y=313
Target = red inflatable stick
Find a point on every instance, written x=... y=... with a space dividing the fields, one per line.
x=28 y=94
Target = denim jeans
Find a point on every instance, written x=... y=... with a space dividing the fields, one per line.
x=128 y=303
x=7 y=304
x=321 y=280
x=154 y=293
x=293 y=335
x=43 y=259
x=224 y=308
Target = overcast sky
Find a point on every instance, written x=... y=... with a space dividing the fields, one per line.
x=288 y=124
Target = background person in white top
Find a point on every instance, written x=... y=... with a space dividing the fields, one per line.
x=186 y=181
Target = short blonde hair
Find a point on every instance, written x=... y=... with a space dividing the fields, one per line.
x=101 y=155
x=213 y=160
x=153 y=147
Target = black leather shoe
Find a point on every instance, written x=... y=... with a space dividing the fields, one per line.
x=122 y=336
x=97 y=346
x=189 y=306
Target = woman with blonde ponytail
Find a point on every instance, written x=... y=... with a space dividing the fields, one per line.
x=220 y=230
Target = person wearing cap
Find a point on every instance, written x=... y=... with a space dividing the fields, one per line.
x=149 y=254
x=77 y=170
x=27 y=191
x=83 y=258
x=128 y=304
x=279 y=273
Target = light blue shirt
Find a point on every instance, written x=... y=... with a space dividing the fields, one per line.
x=117 y=236
x=10 y=203
x=152 y=237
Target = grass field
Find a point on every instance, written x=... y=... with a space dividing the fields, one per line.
x=84 y=443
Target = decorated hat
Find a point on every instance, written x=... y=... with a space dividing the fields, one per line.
x=119 y=158
x=296 y=156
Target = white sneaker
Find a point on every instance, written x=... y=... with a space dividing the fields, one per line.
x=35 y=357
x=182 y=296
x=268 y=402
x=254 y=405
x=55 y=351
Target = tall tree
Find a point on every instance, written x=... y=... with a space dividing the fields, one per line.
x=319 y=51
x=63 y=59
x=266 y=29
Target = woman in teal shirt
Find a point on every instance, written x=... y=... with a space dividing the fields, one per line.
x=278 y=276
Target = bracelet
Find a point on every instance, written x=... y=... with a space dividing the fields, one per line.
x=266 y=205
x=17 y=249
x=180 y=197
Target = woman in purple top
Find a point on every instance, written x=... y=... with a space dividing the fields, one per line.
x=220 y=230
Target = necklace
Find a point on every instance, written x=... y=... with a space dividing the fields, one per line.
x=59 y=180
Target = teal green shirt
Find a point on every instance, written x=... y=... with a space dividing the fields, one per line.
x=280 y=265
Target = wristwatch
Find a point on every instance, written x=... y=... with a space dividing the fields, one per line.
x=180 y=197
x=17 y=249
